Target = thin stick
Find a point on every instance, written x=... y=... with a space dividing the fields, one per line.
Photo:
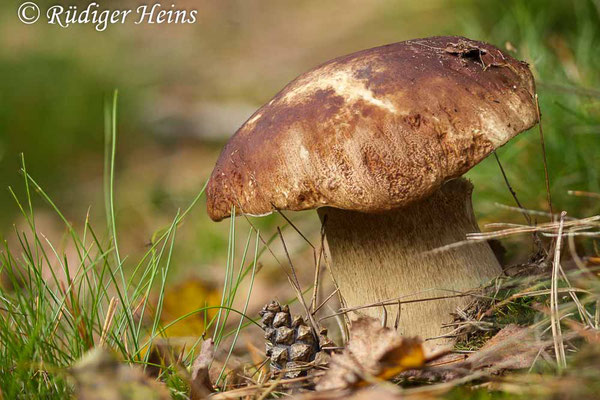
x=296 y=285
x=511 y=190
x=314 y=300
x=546 y=175
x=530 y=211
x=344 y=311
x=325 y=301
x=317 y=259
x=559 y=346
x=295 y=228
x=264 y=242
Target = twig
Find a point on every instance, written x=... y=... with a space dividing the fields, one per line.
x=511 y=190
x=395 y=301
x=530 y=211
x=314 y=300
x=296 y=285
x=325 y=301
x=295 y=228
x=546 y=175
x=265 y=243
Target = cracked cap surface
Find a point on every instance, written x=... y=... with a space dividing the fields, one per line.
x=375 y=130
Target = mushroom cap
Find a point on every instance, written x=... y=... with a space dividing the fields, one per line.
x=375 y=130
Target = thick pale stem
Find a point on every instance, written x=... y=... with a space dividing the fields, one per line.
x=378 y=257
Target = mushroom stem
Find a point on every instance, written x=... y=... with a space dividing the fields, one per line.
x=377 y=257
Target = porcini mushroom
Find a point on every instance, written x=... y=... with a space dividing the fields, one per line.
x=377 y=141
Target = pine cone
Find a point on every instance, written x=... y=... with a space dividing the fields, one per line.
x=291 y=343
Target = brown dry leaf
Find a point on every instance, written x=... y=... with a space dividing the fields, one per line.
x=514 y=347
x=200 y=385
x=372 y=351
x=590 y=335
x=99 y=375
x=369 y=393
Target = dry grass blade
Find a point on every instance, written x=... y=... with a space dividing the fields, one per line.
x=559 y=346
x=256 y=390
x=532 y=293
x=577 y=259
x=584 y=194
x=110 y=313
x=296 y=285
x=546 y=229
x=550 y=227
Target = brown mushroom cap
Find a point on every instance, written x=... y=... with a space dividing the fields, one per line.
x=375 y=130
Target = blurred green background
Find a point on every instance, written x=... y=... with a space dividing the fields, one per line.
x=184 y=89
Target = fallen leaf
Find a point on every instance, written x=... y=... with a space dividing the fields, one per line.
x=200 y=385
x=369 y=393
x=99 y=375
x=184 y=299
x=590 y=335
x=372 y=351
x=162 y=354
x=513 y=347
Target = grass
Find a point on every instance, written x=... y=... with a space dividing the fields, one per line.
x=59 y=301
x=557 y=40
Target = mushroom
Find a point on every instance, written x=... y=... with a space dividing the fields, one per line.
x=377 y=142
